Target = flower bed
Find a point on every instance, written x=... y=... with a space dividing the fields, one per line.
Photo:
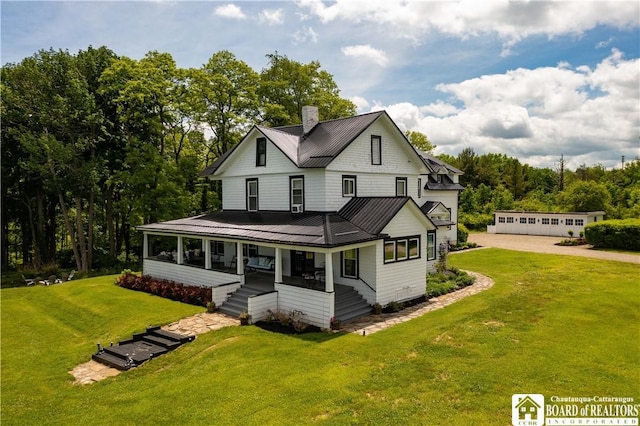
x=193 y=295
x=440 y=283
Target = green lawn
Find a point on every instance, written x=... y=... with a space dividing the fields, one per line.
x=553 y=325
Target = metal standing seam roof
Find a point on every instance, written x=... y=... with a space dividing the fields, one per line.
x=317 y=148
x=446 y=185
x=360 y=220
x=428 y=206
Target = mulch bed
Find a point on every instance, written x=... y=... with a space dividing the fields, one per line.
x=277 y=327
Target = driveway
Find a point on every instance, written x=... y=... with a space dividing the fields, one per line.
x=538 y=244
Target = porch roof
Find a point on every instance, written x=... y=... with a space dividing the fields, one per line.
x=307 y=229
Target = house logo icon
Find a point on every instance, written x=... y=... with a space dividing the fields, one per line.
x=527 y=409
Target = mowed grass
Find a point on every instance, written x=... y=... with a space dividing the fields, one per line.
x=554 y=325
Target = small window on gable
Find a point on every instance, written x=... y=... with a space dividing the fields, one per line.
x=348 y=186
x=401 y=187
x=261 y=152
x=419 y=188
x=376 y=150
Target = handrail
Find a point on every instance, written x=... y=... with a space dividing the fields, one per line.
x=365 y=283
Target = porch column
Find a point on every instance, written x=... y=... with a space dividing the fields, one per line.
x=207 y=253
x=180 y=250
x=278 y=274
x=239 y=259
x=328 y=272
x=145 y=245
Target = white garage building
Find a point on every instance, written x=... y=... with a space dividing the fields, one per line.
x=542 y=223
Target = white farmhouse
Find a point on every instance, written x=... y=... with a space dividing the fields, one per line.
x=324 y=218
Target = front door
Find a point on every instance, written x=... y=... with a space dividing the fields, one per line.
x=302 y=262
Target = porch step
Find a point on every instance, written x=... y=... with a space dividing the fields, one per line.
x=350 y=304
x=140 y=348
x=237 y=302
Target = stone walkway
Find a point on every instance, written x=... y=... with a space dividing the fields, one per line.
x=93 y=371
x=374 y=323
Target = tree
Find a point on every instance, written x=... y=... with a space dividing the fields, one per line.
x=286 y=86
x=226 y=99
x=420 y=141
x=585 y=196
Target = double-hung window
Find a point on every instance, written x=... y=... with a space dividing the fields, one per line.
x=431 y=245
x=350 y=263
x=348 y=186
x=376 y=150
x=261 y=152
x=252 y=195
x=296 y=185
x=401 y=187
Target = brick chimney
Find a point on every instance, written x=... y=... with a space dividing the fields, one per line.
x=309 y=118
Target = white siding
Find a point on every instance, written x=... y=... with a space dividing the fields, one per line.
x=259 y=304
x=366 y=270
x=317 y=306
x=450 y=200
x=186 y=274
x=404 y=280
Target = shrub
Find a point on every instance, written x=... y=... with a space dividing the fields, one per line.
x=395 y=306
x=618 y=234
x=463 y=233
x=440 y=283
x=193 y=295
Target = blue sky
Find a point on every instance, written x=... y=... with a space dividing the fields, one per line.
x=533 y=80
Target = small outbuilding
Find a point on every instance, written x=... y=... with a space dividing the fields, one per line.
x=542 y=223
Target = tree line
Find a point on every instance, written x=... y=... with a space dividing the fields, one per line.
x=498 y=182
x=94 y=144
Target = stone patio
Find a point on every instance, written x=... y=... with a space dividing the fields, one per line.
x=92 y=371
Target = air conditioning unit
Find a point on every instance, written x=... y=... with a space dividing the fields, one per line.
x=296 y=208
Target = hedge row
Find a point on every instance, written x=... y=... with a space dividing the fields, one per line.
x=618 y=234
x=192 y=295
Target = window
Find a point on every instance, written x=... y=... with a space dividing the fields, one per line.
x=389 y=251
x=554 y=221
x=249 y=250
x=348 y=186
x=350 y=263
x=523 y=220
x=431 y=245
x=217 y=247
x=376 y=150
x=419 y=188
x=569 y=222
x=296 y=185
x=261 y=152
x=501 y=219
x=414 y=248
x=402 y=248
x=509 y=219
x=252 y=195
x=545 y=220
x=401 y=187
x=532 y=221
x=579 y=222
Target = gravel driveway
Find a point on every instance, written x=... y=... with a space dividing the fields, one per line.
x=538 y=244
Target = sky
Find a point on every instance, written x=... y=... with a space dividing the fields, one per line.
x=534 y=80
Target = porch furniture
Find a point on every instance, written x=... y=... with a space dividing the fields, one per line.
x=29 y=281
x=218 y=262
x=266 y=263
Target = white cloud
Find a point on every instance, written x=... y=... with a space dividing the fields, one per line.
x=229 y=11
x=366 y=52
x=590 y=116
x=511 y=21
x=305 y=35
x=272 y=17
x=360 y=103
